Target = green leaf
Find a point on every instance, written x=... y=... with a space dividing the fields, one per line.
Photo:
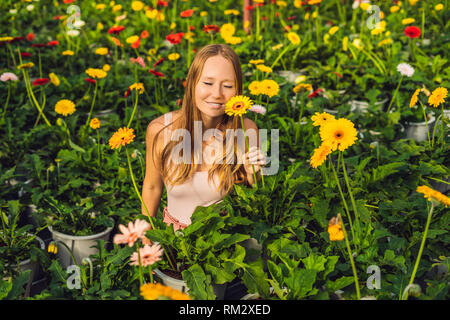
x=275 y=271
x=5 y=288
x=301 y=282
x=18 y=285
x=339 y=283
x=229 y=241
x=76 y=147
x=315 y=262
x=254 y=279
x=198 y=283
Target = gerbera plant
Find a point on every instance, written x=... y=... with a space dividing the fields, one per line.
x=435 y=198
x=238 y=106
x=336 y=134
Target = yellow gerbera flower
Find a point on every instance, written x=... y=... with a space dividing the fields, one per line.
x=257 y=61
x=432 y=194
x=95 y=123
x=264 y=68
x=106 y=67
x=121 y=137
x=414 y=98
x=320 y=155
x=150 y=291
x=238 y=105
x=339 y=134
x=101 y=51
x=333 y=30
x=137 y=5
x=293 y=38
x=269 y=88
x=255 y=88
x=320 y=119
x=439 y=7
x=68 y=53
x=335 y=229
x=302 y=86
x=174 y=56
x=54 y=79
x=408 y=21
x=227 y=30
x=27 y=65
x=65 y=107
x=138 y=87
x=96 y=73
x=438 y=97
x=132 y=39
x=384 y=42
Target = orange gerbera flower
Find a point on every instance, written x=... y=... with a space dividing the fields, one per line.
x=121 y=137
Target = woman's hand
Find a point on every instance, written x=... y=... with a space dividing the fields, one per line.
x=254 y=157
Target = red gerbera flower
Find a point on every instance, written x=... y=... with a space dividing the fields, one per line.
x=30 y=36
x=158 y=62
x=90 y=80
x=53 y=43
x=187 y=13
x=156 y=73
x=68 y=1
x=127 y=93
x=136 y=44
x=412 y=32
x=175 y=38
x=25 y=54
x=162 y=3
x=40 y=81
x=315 y=93
x=144 y=34
x=249 y=8
x=116 y=30
x=211 y=28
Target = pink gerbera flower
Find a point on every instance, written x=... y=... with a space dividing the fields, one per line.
x=138 y=60
x=149 y=255
x=131 y=234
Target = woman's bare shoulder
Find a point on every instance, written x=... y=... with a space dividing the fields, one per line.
x=250 y=124
x=160 y=123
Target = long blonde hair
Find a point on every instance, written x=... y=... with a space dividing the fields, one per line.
x=228 y=173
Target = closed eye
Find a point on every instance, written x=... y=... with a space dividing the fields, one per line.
x=208 y=83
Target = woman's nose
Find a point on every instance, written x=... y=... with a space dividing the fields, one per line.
x=217 y=90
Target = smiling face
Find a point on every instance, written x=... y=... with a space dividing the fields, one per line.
x=216 y=85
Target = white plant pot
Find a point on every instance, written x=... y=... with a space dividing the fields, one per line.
x=81 y=246
x=180 y=285
x=418 y=130
x=362 y=106
x=31 y=265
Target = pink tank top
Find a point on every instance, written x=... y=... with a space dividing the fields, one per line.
x=182 y=199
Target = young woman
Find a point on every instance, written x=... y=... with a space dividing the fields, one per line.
x=204 y=170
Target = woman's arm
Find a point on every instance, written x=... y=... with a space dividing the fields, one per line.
x=153 y=183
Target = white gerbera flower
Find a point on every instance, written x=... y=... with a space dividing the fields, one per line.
x=405 y=69
x=258 y=109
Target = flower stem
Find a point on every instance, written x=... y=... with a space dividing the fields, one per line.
x=395 y=93
x=413 y=275
x=134 y=109
x=92 y=105
x=350 y=193
x=343 y=200
x=355 y=275
x=426 y=123
x=246 y=143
